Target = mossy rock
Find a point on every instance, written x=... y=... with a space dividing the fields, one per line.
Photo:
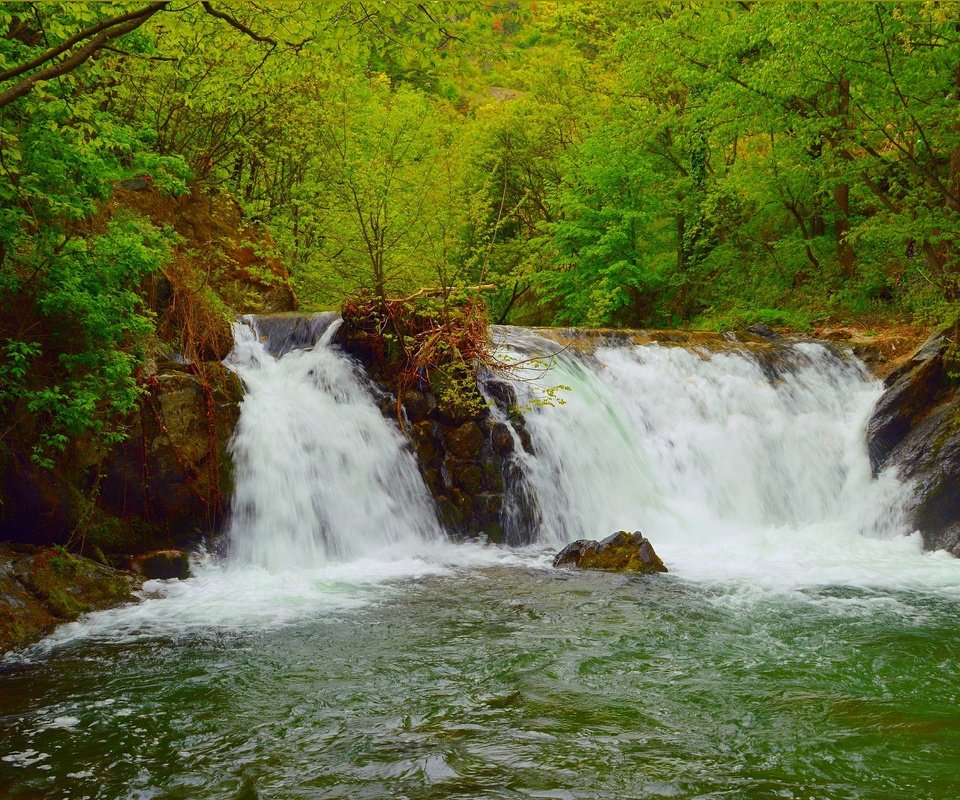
x=501 y=440
x=621 y=552
x=426 y=445
x=493 y=480
x=418 y=405
x=450 y=513
x=162 y=565
x=41 y=587
x=487 y=507
x=172 y=476
x=468 y=476
x=465 y=441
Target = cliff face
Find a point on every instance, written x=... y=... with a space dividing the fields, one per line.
x=168 y=483
x=915 y=429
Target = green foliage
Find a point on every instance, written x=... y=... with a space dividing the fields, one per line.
x=64 y=563
x=72 y=318
x=599 y=163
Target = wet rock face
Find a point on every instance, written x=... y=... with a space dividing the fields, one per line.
x=42 y=587
x=166 y=484
x=915 y=429
x=36 y=505
x=171 y=479
x=908 y=399
x=462 y=467
x=620 y=552
x=463 y=452
x=763 y=330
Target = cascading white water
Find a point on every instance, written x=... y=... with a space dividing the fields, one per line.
x=747 y=473
x=731 y=470
x=320 y=475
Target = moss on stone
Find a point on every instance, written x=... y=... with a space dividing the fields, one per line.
x=40 y=587
x=621 y=552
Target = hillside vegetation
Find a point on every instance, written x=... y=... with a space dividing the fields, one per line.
x=604 y=163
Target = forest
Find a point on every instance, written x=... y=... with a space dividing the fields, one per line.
x=701 y=165
x=473 y=399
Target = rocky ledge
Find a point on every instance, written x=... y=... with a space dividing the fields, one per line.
x=41 y=587
x=915 y=429
x=621 y=552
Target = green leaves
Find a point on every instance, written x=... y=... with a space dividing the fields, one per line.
x=603 y=163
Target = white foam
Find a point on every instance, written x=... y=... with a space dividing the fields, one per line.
x=735 y=476
x=321 y=476
x=235 y=598
x=64 y=722
x=25 y=758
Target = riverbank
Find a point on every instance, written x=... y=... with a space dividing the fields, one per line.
x=42 y=587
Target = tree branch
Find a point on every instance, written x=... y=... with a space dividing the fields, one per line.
x=26 y=86
x=86 y=33
x=235 y=23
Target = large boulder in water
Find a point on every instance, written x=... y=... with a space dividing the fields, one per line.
x=915 y=429
x=621 y=552
x=42 y=587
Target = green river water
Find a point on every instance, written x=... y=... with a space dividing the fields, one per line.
x=508 y=681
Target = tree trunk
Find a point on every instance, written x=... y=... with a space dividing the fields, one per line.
x=841 y=194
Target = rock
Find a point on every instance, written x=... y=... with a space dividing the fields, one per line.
x=929 y=457
x=173 y=476
x=763 y=330
x=36 y=505
x=834 y=334
x=42 y=587
x=900 y=408
x=525 y=441
x=467 y=475
x=621 y=552
x=418 y=405
x=281 y=333
x=915 y=429
x=162 y=565
x=451 y=515
x=464 y=441
x=142 y=184
x=486 y=506
x=493 y=479
x=503 y=394
x=426 y=443
x=501 y=440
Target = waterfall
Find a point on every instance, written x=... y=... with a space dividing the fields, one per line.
x=745 y=465
x=320 y=475
x=739 y=461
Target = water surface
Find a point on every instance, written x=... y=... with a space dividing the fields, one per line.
x=505 y=681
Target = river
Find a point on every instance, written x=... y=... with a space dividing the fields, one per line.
x=802 y=644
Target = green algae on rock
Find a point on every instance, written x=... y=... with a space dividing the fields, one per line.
x=621 y=552
x=42 y=587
